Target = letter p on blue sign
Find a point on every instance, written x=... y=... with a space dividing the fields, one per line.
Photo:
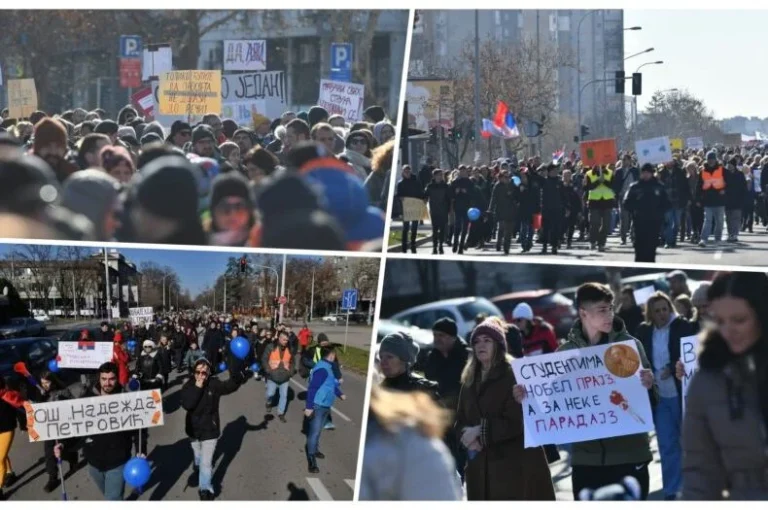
x=130 y=46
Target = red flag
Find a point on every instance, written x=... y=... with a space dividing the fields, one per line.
x=500 y=119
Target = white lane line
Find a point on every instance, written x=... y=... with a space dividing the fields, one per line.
x=351 y=483
x=718 y=254
x=342 y=415
x=319 y=489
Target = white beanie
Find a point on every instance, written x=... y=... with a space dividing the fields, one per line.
x=522 y=311
x=148 y=343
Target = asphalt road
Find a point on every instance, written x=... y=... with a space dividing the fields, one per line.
x=257 y=457
x=751 y=250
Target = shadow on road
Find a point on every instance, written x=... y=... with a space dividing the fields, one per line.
x=297 y=493
x=229 y=444
x=169 y=463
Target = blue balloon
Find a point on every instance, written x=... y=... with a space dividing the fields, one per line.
x=131 y=345
x=222 y=367
x=516 y=180
x=136 y=472
x=53 y=366
x=134 y=385
x=473 y=214
x=255 y=367
x=240 y=347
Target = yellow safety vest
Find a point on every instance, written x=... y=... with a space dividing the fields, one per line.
x=603 y=191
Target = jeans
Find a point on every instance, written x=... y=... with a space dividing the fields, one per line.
x=412 y=227
x=599 y=224
x=716 y=214
x=316 y=424
x=110 y=483
x=668 y=417
x=733 y=220
x=272 y=388
x=526 y=234
x=672 y=225
x=460 y=230
x=626 y=223
x=203 y=453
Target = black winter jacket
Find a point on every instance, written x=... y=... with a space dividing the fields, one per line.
x=504 y=200
x=202 y=406
x=439 y=196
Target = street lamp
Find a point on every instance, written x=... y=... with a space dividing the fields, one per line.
x=632 y=28
x=634 y=98
x=639 y=53
x=669 y=90
x=578 y=61
x=658 y=62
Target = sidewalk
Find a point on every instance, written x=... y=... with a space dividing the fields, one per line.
x=423 y=235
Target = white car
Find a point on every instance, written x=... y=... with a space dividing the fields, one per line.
x=42 y=317
x=331 y=318
x=462 y=310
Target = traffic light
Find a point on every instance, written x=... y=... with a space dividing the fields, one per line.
x=471 y=135
x=243 y=264
x=451 y=135
x=637 y=84
x=584 y=131
x=620 y=82
x=457 y=134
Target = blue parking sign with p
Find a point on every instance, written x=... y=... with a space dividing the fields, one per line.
x=349 y=299
x=341 y=62
x=130 y=46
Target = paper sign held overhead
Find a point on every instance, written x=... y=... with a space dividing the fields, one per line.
x=654 y=151
x=695 y=143
x=144 y=100
x=190 y=93
x=345 y=99
x=676 y=144
x=583 y=394
x=84 y=355
x=246 y=55
x=598 y=152
x=643 y=295
x=22 y=98
x=156 y=61
x=689 y=355
x=139 y=315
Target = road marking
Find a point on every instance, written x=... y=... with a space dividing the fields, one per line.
x=319 y=489
x=342 y=415
x=718 y=254
x=351 y=483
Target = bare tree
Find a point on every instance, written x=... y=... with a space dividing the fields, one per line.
x=38 y=261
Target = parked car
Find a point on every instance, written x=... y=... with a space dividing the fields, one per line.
x=19 y=327
x=35 y=352
x=462 y=310
x=548 y=304
x=331 y=318
x=42 y=317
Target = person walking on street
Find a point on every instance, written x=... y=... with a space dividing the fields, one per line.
x=630 y=174
x=323 y=390
x=411 y=194
x=736 y=195
x=438 y=195
x=278 y=364
x=711 y=195
x=647 y=202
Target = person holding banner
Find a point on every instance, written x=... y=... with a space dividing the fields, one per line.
x=725 y=433
x=107 y=454
x=489 y=423
x=10 y=402
x=602 y=462
x=660 y=336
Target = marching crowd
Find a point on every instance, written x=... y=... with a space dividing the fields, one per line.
x=196 y=346
x=450 y=425
x=83 y=176
x=692 y=199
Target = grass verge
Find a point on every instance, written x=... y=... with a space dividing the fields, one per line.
x=354 y=359
x=396 y=237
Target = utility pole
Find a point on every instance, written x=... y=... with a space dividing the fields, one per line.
x=282 y=287
x=108 y=304
x=538 y=64
x=225 y=293
x=312 y=296
x=477 y=123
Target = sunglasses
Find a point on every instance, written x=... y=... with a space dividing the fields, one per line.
x=231 y=207
x=185 y=133
x=201 y=372
x=358 y=141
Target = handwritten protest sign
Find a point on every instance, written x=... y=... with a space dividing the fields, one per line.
x=583 y=394
x=190 y=92
x=345 y=99
x=266 y=89
x=84 y=355
x=689 y=354
x=95 y=415
x=676 y=144
x=242 y=112
x=732 y=139
x=643 y=295
x=143 y=314
x=247 y=55
x=695 y=143
x=598 y=152
x=654 y=150
x=22 y=98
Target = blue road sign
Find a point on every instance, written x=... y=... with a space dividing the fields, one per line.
x=341 y=62
x=349 y=299
x=130 y=46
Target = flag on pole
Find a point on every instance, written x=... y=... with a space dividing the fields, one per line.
x=558 y=155
x=489 y=130
x=504 y=122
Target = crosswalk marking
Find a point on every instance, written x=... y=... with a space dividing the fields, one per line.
x=333 y=409
x=319 y=489
x=351 y=483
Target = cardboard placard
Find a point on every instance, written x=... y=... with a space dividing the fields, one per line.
x=345 y=99
x=654 y=151
x=87 y=355
x=245 y=55
x=599 y=152
x=190 y=93
x=22 y=98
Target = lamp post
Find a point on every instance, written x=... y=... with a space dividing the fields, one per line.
x=578 y=63
x=639 y=53
x=634 y=98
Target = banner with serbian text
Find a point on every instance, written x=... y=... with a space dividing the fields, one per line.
x=341 y=98
x=94 y=415
x=583 y=394
x=689 y=355
x=84 y=355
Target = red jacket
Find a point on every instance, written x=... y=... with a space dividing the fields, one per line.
x=542 y=340
x=121 y=358
x=11 y=397
x=305 y=336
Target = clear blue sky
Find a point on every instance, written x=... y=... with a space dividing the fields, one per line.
x=717 y=55
x=197 y=269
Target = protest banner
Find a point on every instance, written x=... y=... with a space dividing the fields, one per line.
x=266 y=89
x=583 y=394
x=695 y=143
x=689 y=354
x=143 y=314
x=190 y=93
x=22 y=98
x=94 y=415
x=144 y=100
x=87 y=355
x=732 y=139
x=654 y=151
x=598 y=152
x=643 y=295
x=243 y=112
x=676 y=144
x=245 y=55
x=345 y=99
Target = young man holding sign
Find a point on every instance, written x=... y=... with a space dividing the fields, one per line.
x=605 y=461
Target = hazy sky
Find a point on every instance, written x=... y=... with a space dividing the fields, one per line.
x=717 y=55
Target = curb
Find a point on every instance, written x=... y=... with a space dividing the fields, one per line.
x=419 y=242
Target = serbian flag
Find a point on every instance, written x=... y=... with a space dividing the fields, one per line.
x=86 y=346
x=505 y=121
x=558 y=155
x=489 y=130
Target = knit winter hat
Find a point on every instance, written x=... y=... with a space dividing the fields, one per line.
x=379 y=127
x=126 y=131
x=150 y=137
x=28 y=183
x=125 y=111
x=316 y=115
x=447 y=326
x=231 y=184
x=202 y=132
x=106 y=127
x=375 y=113
x=167 y=187
x=401 y=345
x=47 y=132
x=91 y=193
x=492 y=329
x=522 y=311
x=177 y=127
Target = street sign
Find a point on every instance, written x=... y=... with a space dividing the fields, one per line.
x=341 y=62
x=130 y=73
x=349 y=299
x=130 y=46
x=283 y=300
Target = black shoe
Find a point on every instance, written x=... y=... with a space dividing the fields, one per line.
x=554 y=251
x=10 y=479
x=413 y=249
x=544 y=250
x=206 y=495
x=281 y=417
x=319 y=455
x=440 y=251
x=312 y=464
x=51 y=486
x=194 y=479
x=2 y=495
x=268 y=408
x=568 y=246
x=434 y=251
x=455 y=248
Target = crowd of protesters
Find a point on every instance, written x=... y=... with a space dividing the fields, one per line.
x=305 y=180
x=468 y=420
x=694 y=198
